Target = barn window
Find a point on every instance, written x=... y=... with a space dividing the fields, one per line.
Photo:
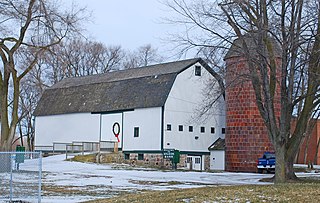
x=202 y=129
x=126 y=156
x=190 y=128
x=223 y=131
x=197 y=71
x=136 y=132
x=140 y=156
x=168 y=127
x=180 y=128
x=212 y=130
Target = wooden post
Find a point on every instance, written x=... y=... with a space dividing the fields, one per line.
x=115 y=149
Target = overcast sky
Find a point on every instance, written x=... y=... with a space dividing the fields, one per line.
x=129 y=23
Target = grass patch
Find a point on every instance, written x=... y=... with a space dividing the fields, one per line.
x=140 y=182
x=91 y=158
x=291 y=192
x=88 y=190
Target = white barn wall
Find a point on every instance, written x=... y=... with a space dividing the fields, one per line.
x=67 y=128
x=185 y=98
x=107 y=121
x=217 y=160
x=149 y=122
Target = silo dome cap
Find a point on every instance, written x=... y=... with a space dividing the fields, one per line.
x=250 y=39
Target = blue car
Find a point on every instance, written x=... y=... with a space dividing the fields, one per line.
x=267 y=163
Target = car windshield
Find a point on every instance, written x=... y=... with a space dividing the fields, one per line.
x=269 y=156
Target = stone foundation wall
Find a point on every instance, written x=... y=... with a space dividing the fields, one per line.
x=206 y=162
x=149 y=160
x=155 y=160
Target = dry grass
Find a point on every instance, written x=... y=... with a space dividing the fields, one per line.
x=293 y=192
x=85 y=191
x=90 y=158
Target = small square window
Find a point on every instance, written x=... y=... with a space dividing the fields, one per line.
x=223 y=131
x=197 y=71
x=180 y=128
x=202 y=129
x=190 y=128
x=136 y=132
x=140 y=156
x=168 y=127
x=213 y=130
x=126 y=156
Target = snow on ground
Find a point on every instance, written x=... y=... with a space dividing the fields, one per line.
x=91 y=181
x=66 y=173
x=87 y=175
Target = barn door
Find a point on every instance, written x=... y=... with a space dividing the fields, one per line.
x=194 y=163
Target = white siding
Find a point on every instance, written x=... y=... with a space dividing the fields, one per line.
x=217 y=160
x=149 y=122
x=185 y=99
x=107 y=121
x=66 y=128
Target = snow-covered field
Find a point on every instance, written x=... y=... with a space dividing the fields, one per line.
x=65 y=181
x=106 y=181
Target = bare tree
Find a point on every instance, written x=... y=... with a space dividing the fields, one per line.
x=143 y=56
x=33 y=24
x=29 y=97
x=79 y=57
x=260 y=26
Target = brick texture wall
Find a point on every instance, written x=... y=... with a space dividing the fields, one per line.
x=246 y=134
x=308 y=150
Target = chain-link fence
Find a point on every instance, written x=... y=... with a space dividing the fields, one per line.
x=20 y=176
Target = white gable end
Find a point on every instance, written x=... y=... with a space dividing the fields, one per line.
x=184 y=101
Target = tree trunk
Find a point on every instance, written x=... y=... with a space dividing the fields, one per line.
x=284 y=165
x=8 y=129
x=290 y=175
x=306 y=148
x=4 y=116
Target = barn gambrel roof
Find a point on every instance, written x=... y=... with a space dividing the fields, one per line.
x=143 y=87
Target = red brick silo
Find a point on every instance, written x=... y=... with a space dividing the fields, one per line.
x=246 y=135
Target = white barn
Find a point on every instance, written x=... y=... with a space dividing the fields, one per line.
x=153 y=106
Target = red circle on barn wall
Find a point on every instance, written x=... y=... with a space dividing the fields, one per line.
x=116 y=130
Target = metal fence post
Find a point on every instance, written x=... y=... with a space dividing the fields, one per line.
x=40 y=176
x=66 y=152
x=21 y=184
x=82 y=148
x=11 y=177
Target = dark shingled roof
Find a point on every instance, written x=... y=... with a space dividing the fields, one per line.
x=219 y=144
x=114 y=91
